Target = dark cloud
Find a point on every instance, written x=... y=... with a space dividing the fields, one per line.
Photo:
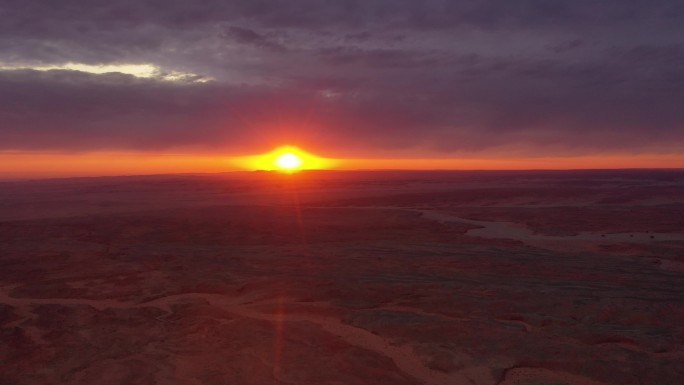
x=54 y=19
x=384 y=59
x=437 y=75
x=567 y=46
x=250 y=37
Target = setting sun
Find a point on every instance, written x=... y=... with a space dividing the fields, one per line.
x=288 y=161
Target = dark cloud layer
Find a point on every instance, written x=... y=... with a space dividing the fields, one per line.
x=345 y=76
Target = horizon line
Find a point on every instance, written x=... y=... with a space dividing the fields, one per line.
x=293 y=175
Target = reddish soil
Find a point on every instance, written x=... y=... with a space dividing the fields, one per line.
x=344 y=278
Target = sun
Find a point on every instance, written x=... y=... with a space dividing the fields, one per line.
x=288 y=161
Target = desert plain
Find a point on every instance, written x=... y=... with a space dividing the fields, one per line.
x=345 y=278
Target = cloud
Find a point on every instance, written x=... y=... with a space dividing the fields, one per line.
x=360 y=77
x=250 y=37
x=136 y=70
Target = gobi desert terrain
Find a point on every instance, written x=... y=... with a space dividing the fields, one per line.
x=345 y=278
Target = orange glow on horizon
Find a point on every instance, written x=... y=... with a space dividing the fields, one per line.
x=28 y=164
x=287 y=159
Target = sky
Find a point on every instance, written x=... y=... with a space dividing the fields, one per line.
x=497 y=81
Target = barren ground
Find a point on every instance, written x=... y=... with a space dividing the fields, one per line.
x=485 y=278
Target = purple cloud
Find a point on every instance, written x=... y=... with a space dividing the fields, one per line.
x=440 y=76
